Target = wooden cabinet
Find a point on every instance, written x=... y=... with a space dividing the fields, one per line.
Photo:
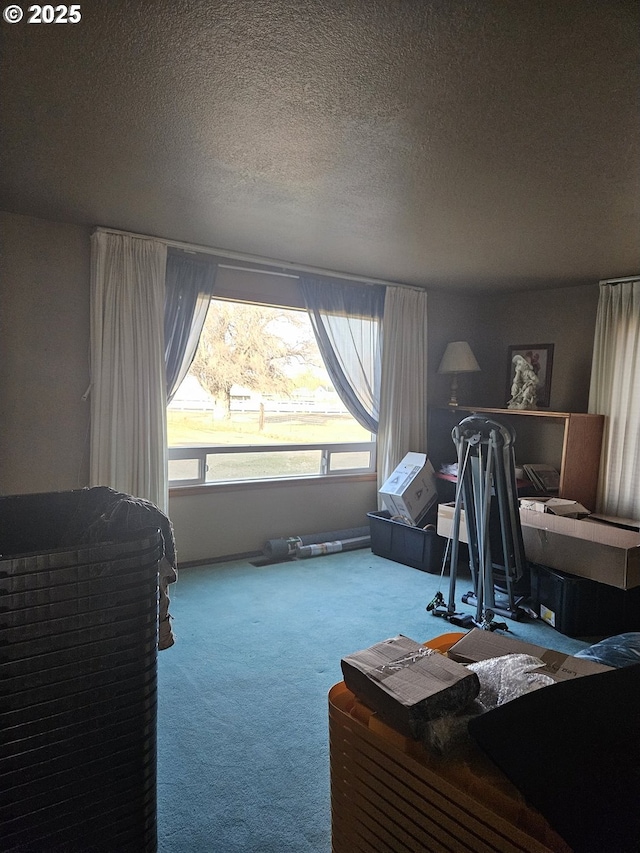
x=570 y=441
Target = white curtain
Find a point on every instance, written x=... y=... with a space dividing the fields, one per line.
x=403 y=392
x=615 y=393
x=128 y=391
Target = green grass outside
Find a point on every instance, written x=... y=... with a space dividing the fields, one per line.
x=200 y=428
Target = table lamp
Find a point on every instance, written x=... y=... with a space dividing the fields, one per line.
x=457 y=358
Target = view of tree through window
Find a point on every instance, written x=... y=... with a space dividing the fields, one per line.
x=258 y=381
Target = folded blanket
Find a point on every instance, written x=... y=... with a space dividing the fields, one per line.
x=105 y=514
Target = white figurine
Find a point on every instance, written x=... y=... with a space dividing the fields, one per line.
x=524 y=388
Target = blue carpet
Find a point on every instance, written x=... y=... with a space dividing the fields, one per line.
x=243 y=759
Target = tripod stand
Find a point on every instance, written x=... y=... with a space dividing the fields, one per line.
x=487 y=490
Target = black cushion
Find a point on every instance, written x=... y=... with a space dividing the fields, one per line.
x=573 y=750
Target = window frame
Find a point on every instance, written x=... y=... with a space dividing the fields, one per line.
x=255 y=286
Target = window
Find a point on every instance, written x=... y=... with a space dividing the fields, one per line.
x=258 y=403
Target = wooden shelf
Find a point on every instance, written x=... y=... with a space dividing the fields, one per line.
x=531 y=413
x=575 y=450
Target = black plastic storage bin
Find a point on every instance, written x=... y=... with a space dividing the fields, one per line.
x=402 y=543
x=580 y=607
x=78 y=677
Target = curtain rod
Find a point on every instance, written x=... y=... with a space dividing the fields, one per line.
x=240 y=256
x=261 y=271
x=619 y=280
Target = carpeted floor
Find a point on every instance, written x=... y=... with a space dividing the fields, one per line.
x=243 y=749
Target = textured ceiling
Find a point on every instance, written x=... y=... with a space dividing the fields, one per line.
x=450 y=143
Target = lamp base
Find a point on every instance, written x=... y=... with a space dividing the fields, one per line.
x=453 y=400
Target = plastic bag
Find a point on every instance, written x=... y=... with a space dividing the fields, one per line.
x=501 y=680
x=618 y=651
x=505 y=678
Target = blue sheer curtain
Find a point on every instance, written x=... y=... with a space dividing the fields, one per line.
x=189 y=284
x=347 y=322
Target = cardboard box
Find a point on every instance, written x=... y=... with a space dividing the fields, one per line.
x=411 y=489
x=582 y=547
x=408 y=684
x=480 y=645
x=616 y=521
x=557 y=506
x=445 y=522
x=534 y=504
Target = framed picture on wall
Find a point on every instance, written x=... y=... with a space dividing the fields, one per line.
x=540 y=357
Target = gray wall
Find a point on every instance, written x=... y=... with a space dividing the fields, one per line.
x=44 y=340
x=454 y=317
x=565 y=318
x=44 y=355
x=491 y=323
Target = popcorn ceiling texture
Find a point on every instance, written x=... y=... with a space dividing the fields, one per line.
x=487 y=143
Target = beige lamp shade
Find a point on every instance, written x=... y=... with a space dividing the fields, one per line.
x=457 y=358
